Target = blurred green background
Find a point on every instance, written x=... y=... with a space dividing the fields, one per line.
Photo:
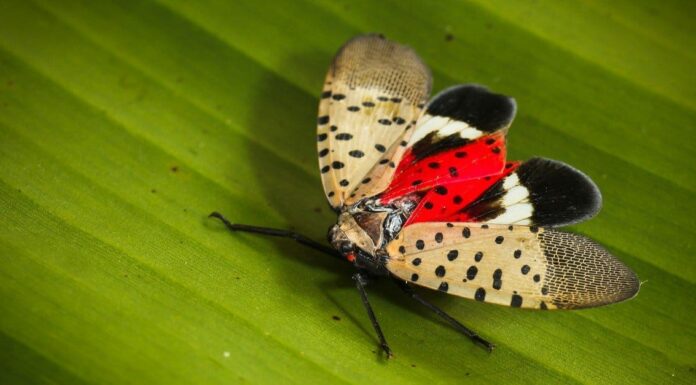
x=123 y=124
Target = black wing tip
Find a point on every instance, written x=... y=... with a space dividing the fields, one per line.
x=562 y=195
x=475 y=105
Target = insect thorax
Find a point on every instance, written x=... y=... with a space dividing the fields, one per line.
x=363 y=230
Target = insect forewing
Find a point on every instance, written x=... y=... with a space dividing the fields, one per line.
x=517 y=266
x=374 y=92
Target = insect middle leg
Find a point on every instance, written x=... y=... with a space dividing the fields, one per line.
x=276 y=233
x=456 y=324
x=360 y=279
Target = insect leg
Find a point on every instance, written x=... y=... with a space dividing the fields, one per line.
x=277 y=233
x=456 y=324
x=360 y=281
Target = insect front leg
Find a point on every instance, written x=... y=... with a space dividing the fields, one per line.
x=299 y=238
x=360 y=279
x=456 y=324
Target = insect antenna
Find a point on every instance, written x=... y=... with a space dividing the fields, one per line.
x=456 y=324
x=233 y=227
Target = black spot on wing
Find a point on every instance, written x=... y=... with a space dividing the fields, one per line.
x=474 y=105
x=480 y=294
x=498 y=279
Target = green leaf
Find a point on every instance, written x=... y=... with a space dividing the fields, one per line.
x=122 y=125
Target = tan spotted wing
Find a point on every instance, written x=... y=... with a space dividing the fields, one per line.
x=373 y=93
x=517 y=266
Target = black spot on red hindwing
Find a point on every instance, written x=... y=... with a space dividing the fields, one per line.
x=442 y=190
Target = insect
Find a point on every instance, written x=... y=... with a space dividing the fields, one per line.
x=425 y=196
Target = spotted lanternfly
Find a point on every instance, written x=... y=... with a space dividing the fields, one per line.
x=425 y=196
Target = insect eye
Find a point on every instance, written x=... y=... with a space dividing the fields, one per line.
x=346 y=248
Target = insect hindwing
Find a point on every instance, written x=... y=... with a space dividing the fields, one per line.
x=510 y=265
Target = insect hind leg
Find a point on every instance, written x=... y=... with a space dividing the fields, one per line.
x=456 y=324
x=299 y=238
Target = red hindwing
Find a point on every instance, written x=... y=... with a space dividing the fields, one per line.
x=480 y=158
